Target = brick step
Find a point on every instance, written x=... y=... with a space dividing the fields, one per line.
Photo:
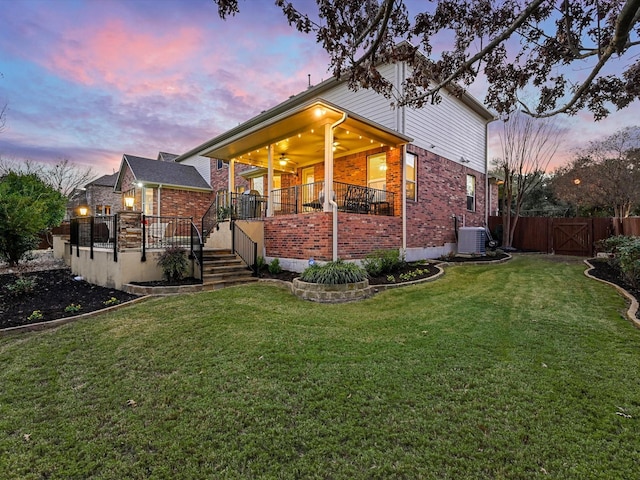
x=236 y=268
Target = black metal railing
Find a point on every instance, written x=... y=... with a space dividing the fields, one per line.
x=245 y=248
x=246 y=206
x=94 y=232
x=197 y=246
x=349 y=198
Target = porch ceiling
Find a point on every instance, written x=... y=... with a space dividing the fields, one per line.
x=298 y=137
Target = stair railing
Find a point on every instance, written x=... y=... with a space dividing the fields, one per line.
x=245 y=248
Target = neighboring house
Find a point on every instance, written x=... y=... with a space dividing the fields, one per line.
x=97 y=197
x=162 y=188
x=395 y=177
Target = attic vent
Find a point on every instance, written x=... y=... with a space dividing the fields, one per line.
x=471 y=240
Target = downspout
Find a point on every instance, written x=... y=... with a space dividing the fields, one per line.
x=487 y=195
x=159 y=196
x=329 y=196
x=403 y=159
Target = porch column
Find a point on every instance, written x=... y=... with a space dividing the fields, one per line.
x=270 y=181
x=232 y=176
x=328 y=167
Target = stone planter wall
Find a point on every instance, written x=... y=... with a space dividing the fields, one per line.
x=317 y=292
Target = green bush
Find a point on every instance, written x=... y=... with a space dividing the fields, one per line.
x=334 y=273
x=381 y=262
x=173 y=262
x=274 y=267
x=21 y=286
x=260 y=264
x=625 y=255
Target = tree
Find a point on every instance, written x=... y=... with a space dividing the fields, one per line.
x=527 y=145
x=64 y=176
x=516 y=44
x=605 y=175
x=28 y=206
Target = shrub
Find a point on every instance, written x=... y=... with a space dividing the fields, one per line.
x=73 y=308
x=274 y=267
x=334 y=273
x=260 y=264
x=173 y=262
x=625 y=255
x=381 y=262
x=21 y=286
x=629 y=261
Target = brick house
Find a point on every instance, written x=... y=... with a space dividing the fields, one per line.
x=343 y=173
x=162 y=187
x=97 y=197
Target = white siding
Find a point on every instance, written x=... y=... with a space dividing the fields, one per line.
x=366 y=102
x=454 y=129
x=202 y=165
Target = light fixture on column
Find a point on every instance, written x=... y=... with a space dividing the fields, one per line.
x=128 y=202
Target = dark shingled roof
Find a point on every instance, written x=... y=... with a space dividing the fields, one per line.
x=105 y=180
x=151 y=171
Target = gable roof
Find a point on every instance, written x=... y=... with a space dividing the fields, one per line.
x=215 y=147
x=167 y=157
x=156 y=172
x=104 y=181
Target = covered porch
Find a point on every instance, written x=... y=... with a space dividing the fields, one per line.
x=316 y=157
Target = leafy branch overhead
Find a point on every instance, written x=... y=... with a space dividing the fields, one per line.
x=561 y=51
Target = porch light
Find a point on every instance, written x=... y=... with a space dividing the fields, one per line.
x=128 y=202
x=83 y=211
x=576 y=181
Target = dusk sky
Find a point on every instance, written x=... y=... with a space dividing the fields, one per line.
x=90 y=80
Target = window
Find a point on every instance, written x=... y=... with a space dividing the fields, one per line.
x=411 y=161
x=471 y=193
x=147 y=201
x=103 y=210
x=220 y=164
x=258 y=184
x=377 y=171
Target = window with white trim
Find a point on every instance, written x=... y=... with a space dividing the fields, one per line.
x=411 y=162
x=471 y=193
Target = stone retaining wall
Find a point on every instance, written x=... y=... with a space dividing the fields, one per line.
x=321 y=293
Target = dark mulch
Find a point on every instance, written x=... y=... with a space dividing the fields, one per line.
x=605 y=271
x=410 y=272
x=53 y=292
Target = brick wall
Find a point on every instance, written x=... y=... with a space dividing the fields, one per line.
x=442 y=193
x=103 y=195
x=220 y=177
x=183 y=203
x=310 y=235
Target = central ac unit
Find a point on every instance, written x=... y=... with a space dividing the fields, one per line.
x=471 y=240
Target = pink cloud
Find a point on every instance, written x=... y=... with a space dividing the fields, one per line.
x=121 y=57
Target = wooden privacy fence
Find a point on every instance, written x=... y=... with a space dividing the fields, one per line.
x=566 y=236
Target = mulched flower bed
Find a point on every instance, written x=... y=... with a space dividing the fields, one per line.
x=55 y=294
x=605 y=271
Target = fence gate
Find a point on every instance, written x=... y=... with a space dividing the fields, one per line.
x=572 y=238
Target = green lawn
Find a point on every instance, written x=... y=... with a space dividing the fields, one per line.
x=513 y=371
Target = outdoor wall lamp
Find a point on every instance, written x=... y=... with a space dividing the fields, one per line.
x=128 y=202
x=83 y=211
